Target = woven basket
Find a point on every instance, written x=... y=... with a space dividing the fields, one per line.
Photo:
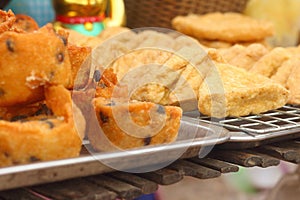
x=159 y=13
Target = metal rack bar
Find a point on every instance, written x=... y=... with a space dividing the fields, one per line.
x=129 y=186
x=287 y=117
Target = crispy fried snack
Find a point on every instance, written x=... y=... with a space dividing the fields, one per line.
x=106 y=85
x=243 y=57
x=271 y=62
x=45 y=132
x=227 y=27
x=133 y=124
x=241 y=93
x=80 y=64
x=162 y=77
x=26 y=23
x=83 y=40
x=109 y=32
x=293 y=81
x=283 y=72
x=107 y=102
x=7 y=19
x=28 y=62
x=217 y=44
x=14 y=113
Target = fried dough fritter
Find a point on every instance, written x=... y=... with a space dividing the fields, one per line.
x=240 y=93
x=228 y=27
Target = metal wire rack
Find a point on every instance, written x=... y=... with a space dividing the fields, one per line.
x=287 y=117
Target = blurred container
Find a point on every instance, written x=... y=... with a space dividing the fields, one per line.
x=89 y=17
x=159 y=13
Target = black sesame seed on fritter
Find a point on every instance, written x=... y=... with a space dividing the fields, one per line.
x=51 y=75
x=60 y=57
x=43 y=119
x=43 y=110
x=33 y=159
x=161 y=109
x=97 y=76
x=103 y=117
x=2 y=92
x=18 y=118
x=6 y=154
x=111 y=103
x=50 y=124
x=10 y=45
x=64 y=39
x=147 y=141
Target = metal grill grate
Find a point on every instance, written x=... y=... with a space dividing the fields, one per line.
x=287 y=117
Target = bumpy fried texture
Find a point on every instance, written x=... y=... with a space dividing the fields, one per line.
x=161 y=68
x=293 y=81
x=109 y=32
x=79 y=64
x=30 y=61
x=133 y=124
x=271 y=62
x=26 y=23
x=83 y=40
x=7 y=19
x=217 y=44
x=14 y=113
x=46 y=135
x=240 y=93
x=138 y=61
x=160 y=76
x=105 y=87
x=244 y=57
x=215 y=55
x=228 y=27
x=283 y=72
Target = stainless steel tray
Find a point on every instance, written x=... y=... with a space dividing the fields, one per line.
x=193 y=137
x=255 y=130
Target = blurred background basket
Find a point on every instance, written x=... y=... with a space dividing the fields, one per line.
x=159 y=13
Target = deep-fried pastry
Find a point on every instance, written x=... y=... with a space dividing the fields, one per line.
x=228 y=27
x=31 y=61
x=7 y=19
x=83 y=40
x=283 y=72
x=232 y=91
x=47 y=134
x=80 y=64
x=162 y=77
x=109 y=32
x=293 y=81
x=271 y=62
x=26 y=23
x=133 y=124
x=244 y=57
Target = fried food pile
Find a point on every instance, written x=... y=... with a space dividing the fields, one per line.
x=258 y=59
x=41 y=71
x=37 y=114
x=218 y=30
x=127 y=89
x=173 y=69
x=280 y=64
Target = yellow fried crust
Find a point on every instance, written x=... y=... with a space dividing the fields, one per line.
x=239 y=93
x=113 y=119
x=43 y=138
x=228 y=27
